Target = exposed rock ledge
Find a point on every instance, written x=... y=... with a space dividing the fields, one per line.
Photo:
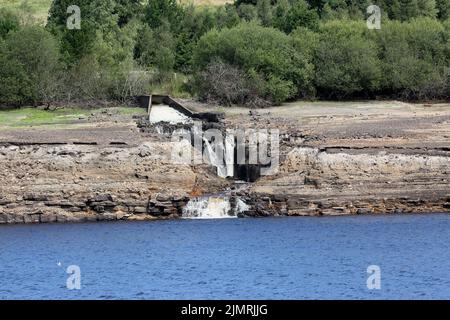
x=365 y=159
x=75 y=183
x=314 y=182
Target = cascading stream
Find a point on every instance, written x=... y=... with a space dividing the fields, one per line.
x=208 y=208
x=214 y=207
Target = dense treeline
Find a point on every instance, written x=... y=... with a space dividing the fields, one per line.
x=252 y=52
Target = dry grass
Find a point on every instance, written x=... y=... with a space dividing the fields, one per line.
x=38 y=9
x=207 y=2
x=35 y=9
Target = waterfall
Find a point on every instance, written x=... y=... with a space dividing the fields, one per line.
x=216 y=157
x=241 y=206
x=213 y=207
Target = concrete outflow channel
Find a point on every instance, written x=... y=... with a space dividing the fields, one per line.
x=168 y=115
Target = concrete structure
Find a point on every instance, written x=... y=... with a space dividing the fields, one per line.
x=171 y=111
x=162 y=108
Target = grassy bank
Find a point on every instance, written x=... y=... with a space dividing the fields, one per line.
x=29 y=116
x=37 y=9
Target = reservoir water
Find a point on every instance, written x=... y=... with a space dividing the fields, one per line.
x=269 y=258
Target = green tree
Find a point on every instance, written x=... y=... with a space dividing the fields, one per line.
x=32 y=73
x=443 y=8
x=226 y=16
x=97 y=21
x=414 y=58
x=196 y=22
x=280 y=13
x=335 y=9
x=346 y=61
x=17 y=87
x=127 y=10
x=8 y=22
x=410 y=9
x=306 y=42
x=299 y=15
x=247 y=12
x=237 y=3
x=155 y=48
x=264 y=12
x=263 y=53
x=158 y=11
x=100 y=14
x=395 y=10
x=427 y=8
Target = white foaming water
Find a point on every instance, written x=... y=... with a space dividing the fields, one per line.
x=165 y=113
x=214 y=160
x=208 y=208
x=241 y=206
x=224 y=160
x=212 y=208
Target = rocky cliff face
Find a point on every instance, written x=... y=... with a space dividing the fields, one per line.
x=316 y=182
x=333 y=161
x=68 y=183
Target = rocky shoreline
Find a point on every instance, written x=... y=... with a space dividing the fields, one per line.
x=371 y=159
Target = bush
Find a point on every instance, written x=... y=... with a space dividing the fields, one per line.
x=225 y=84
x=247 y=12
x=160 y=56
x=415 y=59
x=8 y=22
x=14 y=81
x=346 y=61
x=300 y=15
x=128 y=47
x=258 y=51
x=29 y=67
x=290 y=15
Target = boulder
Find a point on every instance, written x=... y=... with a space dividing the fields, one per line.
x=139 y=210
x=48 y=217
x=364 y=211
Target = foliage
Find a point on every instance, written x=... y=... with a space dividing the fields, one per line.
x=346 y=61
x=251 y=52
x=265 y=52
x=8 y=22
x=29 y=66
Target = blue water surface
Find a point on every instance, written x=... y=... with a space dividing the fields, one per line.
x=269 y=258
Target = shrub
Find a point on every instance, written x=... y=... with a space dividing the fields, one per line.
x=288 y=17
x=8 y=22
x=29 y=66
x=222 y=83
x=155 y=49
x=443 y=8
x=347 y=63
x=415 y=58
x=247 y=12
x=265 y=52
x=14 y=81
